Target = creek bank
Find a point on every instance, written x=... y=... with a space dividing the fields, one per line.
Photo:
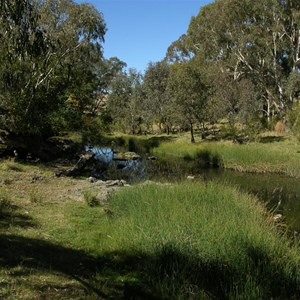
x=35 y=148
x=106 y=164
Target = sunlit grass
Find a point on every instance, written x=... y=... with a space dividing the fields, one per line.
x=279 y=156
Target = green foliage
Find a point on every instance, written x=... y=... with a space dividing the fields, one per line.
x=91 y=130
x=294 y=120
x=258 y=51
x=54 y=47
x=125 y=101
x=159 y=104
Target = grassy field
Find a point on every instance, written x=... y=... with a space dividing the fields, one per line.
x=272 y=153
x=150 y=241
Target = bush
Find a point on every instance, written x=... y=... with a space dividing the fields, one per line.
x=279 y=127
x=294 y=120
x=90 y=199
x=205 y=158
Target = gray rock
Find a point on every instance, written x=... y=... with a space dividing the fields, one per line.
x=92 y=179
x=127 y=156
x=110 y=183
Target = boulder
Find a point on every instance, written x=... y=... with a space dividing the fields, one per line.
x=86 y=165
x=126 y=156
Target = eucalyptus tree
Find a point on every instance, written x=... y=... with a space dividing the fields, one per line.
x=124 y=101
x=187 y=86
x=179 y=51
x=49 y=49
x=256 y=40
x=158 y=103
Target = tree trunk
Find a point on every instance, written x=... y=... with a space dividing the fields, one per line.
x=168 y=130
x=192 y=134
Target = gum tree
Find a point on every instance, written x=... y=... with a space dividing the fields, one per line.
x=53 y=47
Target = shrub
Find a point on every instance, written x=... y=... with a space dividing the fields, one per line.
x=294 y=120
x=279 y=127
x=90 y=199
x=205 y=158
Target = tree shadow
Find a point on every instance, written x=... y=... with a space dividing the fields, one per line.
x=42 y=257
x=164 y=274
x=271 y=139
x=276 y=282
x=99 y=276
x=144 y=146
x=9 y=216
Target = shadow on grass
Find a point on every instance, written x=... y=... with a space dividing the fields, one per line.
x=167 y=274
x=44 y=258
x=275 y=282
x=136 y=144
x=145 y=275
x=271 y=139
x=9 y=216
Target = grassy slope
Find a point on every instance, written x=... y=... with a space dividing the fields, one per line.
x=275 y=154
x=185 y=241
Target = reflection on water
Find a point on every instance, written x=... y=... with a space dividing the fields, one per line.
x=103 y=154
x=128 y=169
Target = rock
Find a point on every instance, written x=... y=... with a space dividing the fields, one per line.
x=92 y=179
x=99 y=183
x=126 y=156
x=37 y=177
x=152 y=158
x=190 y=177
x=277 y=217
x=110 y=183
x=87 y=165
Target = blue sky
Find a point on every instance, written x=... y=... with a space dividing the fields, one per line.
x=140 y=31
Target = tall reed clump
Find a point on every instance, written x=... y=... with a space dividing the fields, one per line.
x=280 y=156
x=197 y=241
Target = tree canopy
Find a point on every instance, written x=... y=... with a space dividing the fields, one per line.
x=239 y=60
x=49 y=51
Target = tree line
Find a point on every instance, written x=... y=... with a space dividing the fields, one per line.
x=238 y=61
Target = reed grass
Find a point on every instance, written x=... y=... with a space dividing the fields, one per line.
x=278 y=157
x=204 y=240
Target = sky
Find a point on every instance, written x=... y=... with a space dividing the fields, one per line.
x=140 y=31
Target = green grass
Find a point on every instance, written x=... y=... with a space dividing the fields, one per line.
x=276 y=154
x=185 y=241
x=205 y=240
